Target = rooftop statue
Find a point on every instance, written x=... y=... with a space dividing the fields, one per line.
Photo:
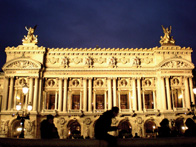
x=167 y=39
x=30 y=38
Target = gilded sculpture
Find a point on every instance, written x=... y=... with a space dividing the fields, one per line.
x=30 y=38
x=167 y=39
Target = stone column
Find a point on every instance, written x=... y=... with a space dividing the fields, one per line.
x=80 y=100
x=114 y=92
x=40 y=95
x=11 y=93
x=154 y=100
x=168 y=94
x=119 y=101
x=134 y=96
x=56 y=100
x=69 y=99
x=130 y=100
x=30 y=91
x=15 y=98
x=90 y=95
x=143 y=95
x=139 y=94
x=60 y=94
x=35 y=95
x=163 y=94
x=109 y=94
x=5 y=93
x=65 y=96
x=84 y=94
x=191 y=90
x=94 y=100
x=187 y=94
x=105 y=101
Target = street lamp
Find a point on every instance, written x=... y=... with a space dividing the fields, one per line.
x=25 y=112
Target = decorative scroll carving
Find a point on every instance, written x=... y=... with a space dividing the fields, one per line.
x=22 y=64
x=87 y=121
x=77 y=60
x=101 y=60
x=175 y=64
x=30 y=38
x=124 y=60
x=167 y=39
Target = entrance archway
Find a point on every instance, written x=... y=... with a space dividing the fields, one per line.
x=125 y=129
x=16 y=128
x=180 y=127
x=150 y=128
x=74 y=129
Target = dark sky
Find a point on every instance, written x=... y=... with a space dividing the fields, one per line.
x=107 y=23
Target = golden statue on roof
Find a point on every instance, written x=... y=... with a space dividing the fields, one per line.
x=30 y=38
x=167 y=39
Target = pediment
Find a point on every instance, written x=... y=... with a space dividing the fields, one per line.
x=176 y=63
x=22 y=63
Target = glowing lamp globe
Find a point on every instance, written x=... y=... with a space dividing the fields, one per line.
x=25 y=89
x=18 y=107
x=29 y=107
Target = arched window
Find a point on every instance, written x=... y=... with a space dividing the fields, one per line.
x=125 y=129
x=150 y=128
x=74 y=129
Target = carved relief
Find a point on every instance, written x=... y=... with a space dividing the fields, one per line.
x=22 y=64
x=111 y=61
x=75 y=83
x=77 y=60
x=175 y=64
x=87 y=121
x=53 y=60
x=51 y=83
x=30 y=127
x=176 y=81
x=135 y=61
x=88 y=61
x=124 y=60
x=64 y=62
x=101 y=60
x=99 y=83
x=4 y=126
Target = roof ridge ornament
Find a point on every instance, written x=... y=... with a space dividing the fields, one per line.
x=167 y=39
x=30 y=39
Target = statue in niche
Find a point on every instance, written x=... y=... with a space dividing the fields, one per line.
x=167 y=38
x=30 y=38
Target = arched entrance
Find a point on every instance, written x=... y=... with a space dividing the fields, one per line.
x=180 y=127
x=125 y=129
x=74 y=129
x=150 y=128
x=16 y=128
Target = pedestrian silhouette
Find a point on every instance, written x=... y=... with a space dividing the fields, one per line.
x=103 y=126
x=164 y=130
x=48 y=129
x=191 y=131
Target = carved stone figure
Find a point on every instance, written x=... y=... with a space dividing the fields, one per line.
x=135 y=61
x=88 y=61
x=30 y=38
x=167 y=38
x=111 y=61
x=64 y=62
x=30 y=127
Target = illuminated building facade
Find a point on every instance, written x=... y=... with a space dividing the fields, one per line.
x=76 y=85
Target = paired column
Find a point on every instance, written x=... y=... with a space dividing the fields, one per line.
x=11 y=93
x=187 y=95
x=163 y=96
x=35 y=95
x=134 y=95
x=90 y=95
x=168 y=94
x=139 y=94
x=85 y=94
x=114 y=92
x=60 y=94
x=191 y=90
x=109 y=94
x=65 y=96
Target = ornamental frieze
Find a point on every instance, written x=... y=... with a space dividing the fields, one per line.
x=176 y=64
x=22 y=64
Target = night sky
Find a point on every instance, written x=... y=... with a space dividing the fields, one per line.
x=106 y=23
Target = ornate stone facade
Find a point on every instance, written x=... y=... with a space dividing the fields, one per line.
x=76 y=85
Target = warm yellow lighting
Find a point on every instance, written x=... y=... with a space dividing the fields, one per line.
x=17 y=97
x=25 y=89
x=29 y=107
x=184 y=128
x=18 y=107
x=19 y=129
x=194 y=90
x=153 y=127
x=180 y=96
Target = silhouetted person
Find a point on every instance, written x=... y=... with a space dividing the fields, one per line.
x=136 y=136
x=103 y=126
x=48 y=129
x=191 y=131
x=164 y=130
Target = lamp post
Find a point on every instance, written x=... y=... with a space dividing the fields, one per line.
x=25 y=112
